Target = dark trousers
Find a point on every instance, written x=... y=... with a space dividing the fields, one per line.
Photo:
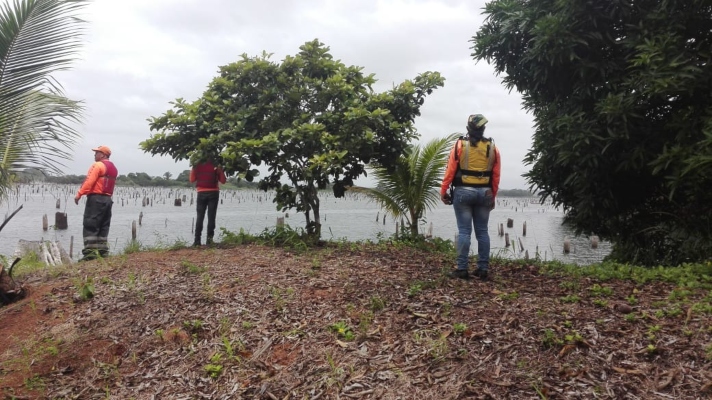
x=97 y=220
x=206 y=200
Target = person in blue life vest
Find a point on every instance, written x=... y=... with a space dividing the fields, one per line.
x=207 y=178
x=98 y=187
x=473 y=170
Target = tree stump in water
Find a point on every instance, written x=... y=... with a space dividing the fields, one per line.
x=60 y=220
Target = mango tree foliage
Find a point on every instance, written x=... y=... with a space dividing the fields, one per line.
x=621 y=94
x=311 y=120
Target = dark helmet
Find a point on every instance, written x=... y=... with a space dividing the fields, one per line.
x=476 y=123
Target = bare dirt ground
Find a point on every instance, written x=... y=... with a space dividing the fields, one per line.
x=347 y=322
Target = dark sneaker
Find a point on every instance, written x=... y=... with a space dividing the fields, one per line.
x=459 y=273
x=481 y=273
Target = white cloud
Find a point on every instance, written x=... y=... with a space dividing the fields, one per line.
x=140 y=55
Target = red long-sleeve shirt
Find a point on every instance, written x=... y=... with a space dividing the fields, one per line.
x=219 y=175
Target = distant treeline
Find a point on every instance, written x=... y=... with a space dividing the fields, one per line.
x=140 y=179
x=515 y=193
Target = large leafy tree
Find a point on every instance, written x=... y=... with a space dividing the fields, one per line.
x=37 y=39
x=621 y=94
x=311 y=120
x=412 y=186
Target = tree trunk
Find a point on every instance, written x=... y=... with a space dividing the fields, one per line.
x=414 y=224
x=311 y=198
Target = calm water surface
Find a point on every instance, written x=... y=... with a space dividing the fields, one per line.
x=351 y=218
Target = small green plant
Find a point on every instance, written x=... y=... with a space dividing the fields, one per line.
x=191 y=269
x=600 y=303
x=438 y=348
x=377 y=304
x=85 y=289
x=679 y=294
x=336 y=372
x=598 y=290
x=247 y=325
x=133 y=246
x=213 y=370
x=572 y=298
x=52 y=350
x=34 y=382
x=459 y=328
x=160 y=333
x=415 y=289
x=570 y=285
x=193 y=326
x=573 y=338
x=230 y=347
x=708 y=352
x=365 y=321
x=342 y=330
x=630 y=317
x=509 y=296
x=632 y=300
x=674 y=312
x=447 y=308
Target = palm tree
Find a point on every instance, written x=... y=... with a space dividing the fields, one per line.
x=37 y=38
x=412 y=187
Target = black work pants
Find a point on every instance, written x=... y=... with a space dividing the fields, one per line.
x=206 y=201
x=97 y=220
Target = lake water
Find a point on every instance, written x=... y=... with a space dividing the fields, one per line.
x=352 y=218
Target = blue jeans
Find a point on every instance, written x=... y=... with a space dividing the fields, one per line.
x=472 y=208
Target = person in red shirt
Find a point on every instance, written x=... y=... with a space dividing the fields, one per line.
x=206 y=177
x=98 y=187
x=473 y=169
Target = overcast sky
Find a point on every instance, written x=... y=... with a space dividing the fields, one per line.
x=139 y=55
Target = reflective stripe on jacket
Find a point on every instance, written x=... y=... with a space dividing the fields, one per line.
x=476 y=164
x=490 y=171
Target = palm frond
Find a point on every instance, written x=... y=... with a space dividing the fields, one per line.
x=37 y=38
x=410 y=188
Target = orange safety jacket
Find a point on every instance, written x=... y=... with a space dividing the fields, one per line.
x=100 y=179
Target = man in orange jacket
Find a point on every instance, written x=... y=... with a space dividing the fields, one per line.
x=473 y=169
x=206 y=177
x=98 y=187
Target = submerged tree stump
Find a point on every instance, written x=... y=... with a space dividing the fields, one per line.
x=60 y=220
